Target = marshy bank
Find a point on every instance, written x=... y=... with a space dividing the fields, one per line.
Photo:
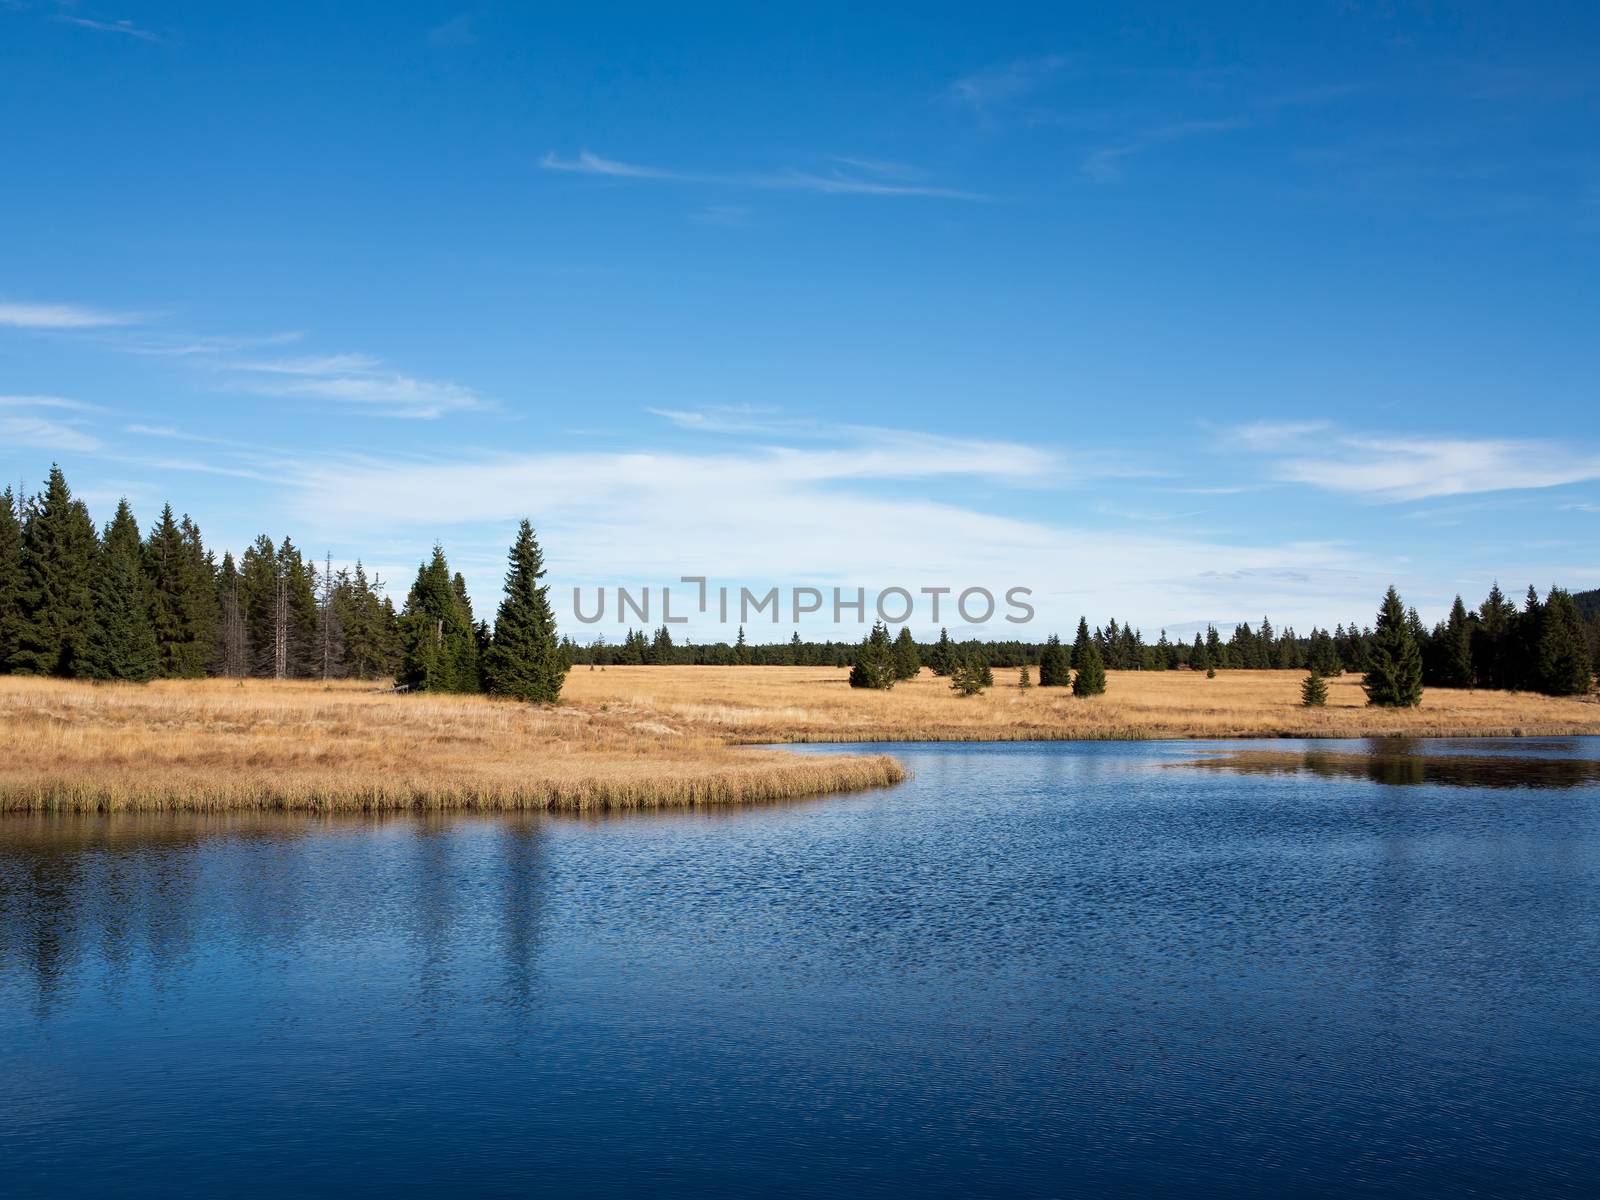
x=629 y=738
x=216 y=745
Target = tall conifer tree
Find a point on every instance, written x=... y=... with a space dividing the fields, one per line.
x=59 y=549
x=10 y=574
x=1053 y=669
x=440 y=643
x=874 y=666
x=524 y=660
x=122 y=642
x=1394 y=661
x=907 y=662
x=1091 y=677
x=1561 y=661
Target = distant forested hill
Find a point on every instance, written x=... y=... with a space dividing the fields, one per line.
x=1588 y=603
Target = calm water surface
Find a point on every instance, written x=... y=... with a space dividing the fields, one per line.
x=1039 y=969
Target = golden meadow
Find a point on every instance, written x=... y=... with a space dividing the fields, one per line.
x=628 y=737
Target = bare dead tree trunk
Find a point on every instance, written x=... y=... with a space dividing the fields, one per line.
x=280 y=628
x=327 y=619
x=233 y=656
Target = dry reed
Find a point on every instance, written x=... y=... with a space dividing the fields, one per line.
x=816 y=704
x=216 y=745
x=628 y=737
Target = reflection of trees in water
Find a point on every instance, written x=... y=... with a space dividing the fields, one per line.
x=90 y=899
x=1403 y=764
x=75 y=887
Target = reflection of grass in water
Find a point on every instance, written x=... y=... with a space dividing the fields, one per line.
x=1402 y=767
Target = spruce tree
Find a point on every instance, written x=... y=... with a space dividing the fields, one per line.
x=177 y=609
x=741 y=650
x=1562 y=666
x=258 y=595
x=1199 y=656
x=1081 y=644
x=1216 y=652
x=10 y=575
x=970 y=676
x=874 y=665
x=440 y=653
x=1313 y=691
x=942 y=659
x=1455 y=652
x=1024 y=679
x=59 y=553
x=1322 y=656
x=122 y=642
x=1394 y=661
x=524 y=660
x=907 y=662
x=1091 y=677
x=1053 y=669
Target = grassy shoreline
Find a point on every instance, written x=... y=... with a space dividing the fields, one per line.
x=627 y=738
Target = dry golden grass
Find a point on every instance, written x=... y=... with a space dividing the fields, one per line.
x=214 y=745
x=628 y=737
x=816 y=704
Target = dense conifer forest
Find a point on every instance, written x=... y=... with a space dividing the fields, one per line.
x=118 y=604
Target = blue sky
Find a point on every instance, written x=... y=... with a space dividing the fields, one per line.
x=1170 y=314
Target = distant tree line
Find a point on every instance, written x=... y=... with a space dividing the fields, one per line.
x=115 y=604
x=1548 y=645
x=118 y=604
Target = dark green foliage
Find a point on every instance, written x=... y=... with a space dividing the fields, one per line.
x=741 y=650
x=1493 y=654
x=971 y=675
x=524 y=660
x=942 y=659
x=907 y=662
x=1322 y=657
x=1313 y=691
x=368 y=627
x=1024 y=679
x=1211 y=672
x=1053 y=669
x=59 y=555
x=874 y=665
x=1447 y=657
x=1199 y=656
x=122 y=642
x=1562 y=666
x=182 y=597
x=1394 y=661
x=441 y=647
x=1091 y=677
x=1082 y=642
x=10 y=573
x=660 y=650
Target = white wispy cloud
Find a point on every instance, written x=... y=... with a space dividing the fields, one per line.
x=58 y=402
x=734 y=418
x=178 y=345
x=60 y=316
x=864 y=181
x=45 y=434
x=1104 y=165
x=1401 y=467
x=126 y=28
x=1008 y=83
x=359 y=381
x=818 y=515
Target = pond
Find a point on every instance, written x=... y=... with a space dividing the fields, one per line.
x=1033 y=969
